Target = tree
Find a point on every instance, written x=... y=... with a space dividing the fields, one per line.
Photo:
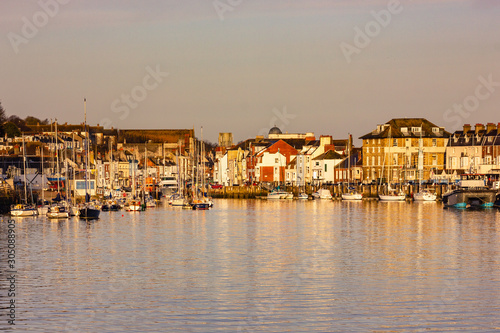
x=3 y=117
x=20 y=123
x=11 y=129
x=33 y=121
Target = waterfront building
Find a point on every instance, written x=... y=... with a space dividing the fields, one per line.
x=474 y=150
x=394 y=147
x=324 y=165
x=271 y=161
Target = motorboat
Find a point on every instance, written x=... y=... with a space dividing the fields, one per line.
x=470 y=193
x=322 y=194
x=273 y=195
x=303 y=196
x=424 y=195
x=57 y=212
x=23 y=210
x=134 y=206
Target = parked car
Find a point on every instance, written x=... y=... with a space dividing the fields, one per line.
x=216 y=186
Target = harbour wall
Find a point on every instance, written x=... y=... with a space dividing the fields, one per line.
x=369 y=191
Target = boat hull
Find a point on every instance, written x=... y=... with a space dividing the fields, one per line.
x=424 y=196
x=201 y=206
x=89 y=213
x=461 y=198
x=352 y=196
x=392 y=197
x=23 y=212
x=57 y=215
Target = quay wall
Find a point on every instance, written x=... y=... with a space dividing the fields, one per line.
x=370 y=191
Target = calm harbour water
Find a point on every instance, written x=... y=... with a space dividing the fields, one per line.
x=258 y=266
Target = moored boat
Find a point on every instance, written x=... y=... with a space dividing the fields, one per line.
x=89 y=212
x=322 y=194
x=424 y=195
x=392 y=196
x=23 y=210
x=57 y=212
x=470 y=193
x=352 y=195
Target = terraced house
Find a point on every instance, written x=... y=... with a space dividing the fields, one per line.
x=475 y=150
x=397 y=150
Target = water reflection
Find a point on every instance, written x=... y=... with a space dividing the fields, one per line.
x=253 y=265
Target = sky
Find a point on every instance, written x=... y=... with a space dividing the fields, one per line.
x=334 y=67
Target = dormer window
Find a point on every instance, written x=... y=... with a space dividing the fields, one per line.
x=490 y=139
x=416 y=129
x=435 y=130
x=404 y=129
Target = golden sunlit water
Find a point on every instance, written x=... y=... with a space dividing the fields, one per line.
x=258 y=266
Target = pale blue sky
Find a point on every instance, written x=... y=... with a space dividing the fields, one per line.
x=229 y=75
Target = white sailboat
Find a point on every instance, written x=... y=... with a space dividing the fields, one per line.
x=392 y=194
x=43 y=209
x=352 y=194
x=24 y=209
x=422 y=195
x=322 y=193
x=88 y=210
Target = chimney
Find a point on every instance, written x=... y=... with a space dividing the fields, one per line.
x=479 y=127
x=467 y=128
x=490 y=127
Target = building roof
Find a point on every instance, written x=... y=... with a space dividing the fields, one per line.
x=275 y=130
x=329 y=155
x=395 y=128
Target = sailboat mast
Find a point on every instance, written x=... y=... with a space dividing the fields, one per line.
x=74 y=172
x=24 y=174
x=349 y=161
x=43 y=192
x=57 y=160
x=66 y=175
x=86 y=145
x=202 y=158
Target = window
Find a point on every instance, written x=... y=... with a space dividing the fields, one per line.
x=416 y=129
x=373 y=160
x=379 y=160
x=434 y=142
x=326 y=169
x=317 y=163
x=276 y=160
x=490 y=139
x=434 y=160
x=379 y=149
x=435 y=130
x=395 y=142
